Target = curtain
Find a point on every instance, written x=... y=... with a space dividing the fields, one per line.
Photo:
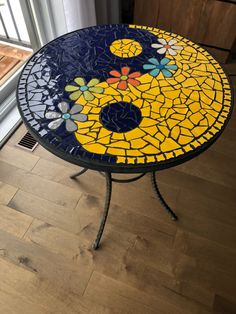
x=57 y=17
x=79 y=14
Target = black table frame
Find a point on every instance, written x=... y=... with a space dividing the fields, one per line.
x=109 y=180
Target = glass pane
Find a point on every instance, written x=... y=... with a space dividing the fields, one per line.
x=7 y=19
x=2 y=33
x=17 y=12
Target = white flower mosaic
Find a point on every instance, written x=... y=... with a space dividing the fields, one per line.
x=66 y=115
x=163 y=46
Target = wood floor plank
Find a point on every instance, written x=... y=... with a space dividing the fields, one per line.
x=113 y=247
x=188 y=268
x=65 y=218
x=6 y=192
x=92 y=180
x=223 y=306
x=122 y=297
x=218 y=161
x=226 y=143
x=54 y=239
x=210 y=229
x=18 y=157
x=54 y=171
x=27 y=287
x=57 y=270
x=196 y=204
x=209 y=254
x=93 y=183
x=56 y=279
x=90 y=208
x=183 y=293
x=198 y=185
x=209 y=167
x=13 y=221
x=77 y=246
x=126 y=297
x=11 y=303
x=46 y=155
x=46 y=189
x=153 y=254
x=135 y=272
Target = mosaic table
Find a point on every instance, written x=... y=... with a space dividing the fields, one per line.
x=124 y=99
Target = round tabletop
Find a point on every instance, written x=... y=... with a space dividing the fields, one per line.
x=124 y=98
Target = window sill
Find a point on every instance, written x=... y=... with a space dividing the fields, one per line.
x=9 y=124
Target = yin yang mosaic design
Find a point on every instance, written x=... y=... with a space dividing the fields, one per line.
x=124 y=95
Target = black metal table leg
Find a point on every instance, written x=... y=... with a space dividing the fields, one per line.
x=109 y=181
x=156 y=189
x=77 y=174
x=106 y=209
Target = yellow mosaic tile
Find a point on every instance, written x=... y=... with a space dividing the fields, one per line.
x=126 y=48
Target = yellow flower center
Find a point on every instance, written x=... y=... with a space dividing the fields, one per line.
x=124 y=77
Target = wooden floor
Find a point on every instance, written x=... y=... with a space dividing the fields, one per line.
x=11 y=58
x=146 y=263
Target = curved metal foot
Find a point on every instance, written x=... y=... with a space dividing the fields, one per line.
x=156 y=189
x=77 y=174
x=106 y=209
